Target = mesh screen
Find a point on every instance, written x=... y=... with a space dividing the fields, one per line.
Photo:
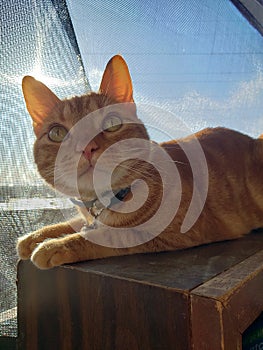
x=199 y=59
x=36 y=39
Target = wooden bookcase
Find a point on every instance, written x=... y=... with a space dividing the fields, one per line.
x=200 y=298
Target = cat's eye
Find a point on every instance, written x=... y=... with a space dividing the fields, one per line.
x=57 y=133
x=112 y=123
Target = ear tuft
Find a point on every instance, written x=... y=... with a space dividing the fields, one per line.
x=116 y=81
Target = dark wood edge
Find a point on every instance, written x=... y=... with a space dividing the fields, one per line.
x=232 y=300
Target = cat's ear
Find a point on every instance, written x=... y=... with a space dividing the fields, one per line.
x=116 y=81
x=40 y=100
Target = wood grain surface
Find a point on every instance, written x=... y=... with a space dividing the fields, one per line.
x=178 y=300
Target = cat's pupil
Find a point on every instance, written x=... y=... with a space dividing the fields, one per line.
x=112 y=123
x=57 y=133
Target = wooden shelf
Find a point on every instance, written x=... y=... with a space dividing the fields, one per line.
x=200 y=298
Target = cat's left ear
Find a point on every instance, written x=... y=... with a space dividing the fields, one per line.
x=40 y=100
x=116 y=81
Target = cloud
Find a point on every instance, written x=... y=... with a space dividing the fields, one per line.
x=242 y=109
x=247 y=93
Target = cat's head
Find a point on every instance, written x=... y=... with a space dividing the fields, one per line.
x=79 y=130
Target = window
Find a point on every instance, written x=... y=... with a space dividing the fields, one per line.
x=200 y=60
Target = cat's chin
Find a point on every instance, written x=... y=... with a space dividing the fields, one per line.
x=87 y=188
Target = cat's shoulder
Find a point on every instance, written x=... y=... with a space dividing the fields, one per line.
x=212 y=138
x=211 y=134
x=219 y=132
x=222 y=138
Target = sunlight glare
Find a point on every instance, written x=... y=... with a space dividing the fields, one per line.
x=38 y=74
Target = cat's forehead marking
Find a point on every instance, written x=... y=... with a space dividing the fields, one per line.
x=96 y=108
x=78 y=107
x=93 y=104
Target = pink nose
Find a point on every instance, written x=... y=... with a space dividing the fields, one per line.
x=90 y=149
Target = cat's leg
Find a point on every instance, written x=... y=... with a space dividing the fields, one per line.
x=77 y=247
x=27 y=243
x=80 y=247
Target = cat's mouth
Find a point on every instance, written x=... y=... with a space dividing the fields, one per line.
x=90 y=169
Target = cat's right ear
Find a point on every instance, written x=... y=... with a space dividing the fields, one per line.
x=116 y=81
x=40 y=100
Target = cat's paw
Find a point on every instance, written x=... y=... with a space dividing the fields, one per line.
x=26 y=244
x=51 y=253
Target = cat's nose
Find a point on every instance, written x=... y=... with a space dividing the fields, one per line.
x=90 y=149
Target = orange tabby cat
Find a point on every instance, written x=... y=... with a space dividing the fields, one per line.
x=233 y=202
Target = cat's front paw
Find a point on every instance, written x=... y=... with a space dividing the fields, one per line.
x=26 y=244
x=51 y=253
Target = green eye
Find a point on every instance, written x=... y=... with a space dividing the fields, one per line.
x=112 y=123
x=57 y=133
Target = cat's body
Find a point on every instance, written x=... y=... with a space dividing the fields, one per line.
x=233 y=204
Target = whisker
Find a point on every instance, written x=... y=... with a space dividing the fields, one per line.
x=158 y=162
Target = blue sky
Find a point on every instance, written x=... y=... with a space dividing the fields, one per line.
x=199 y=59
